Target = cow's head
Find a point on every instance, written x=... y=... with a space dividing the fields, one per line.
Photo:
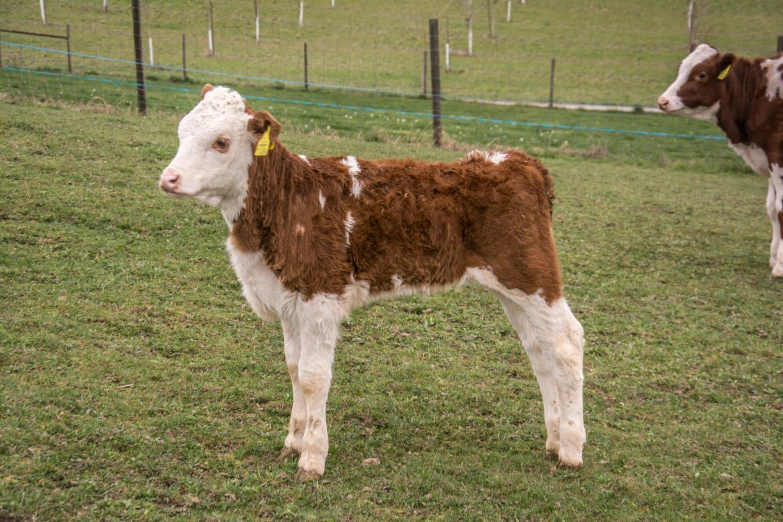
x=696 y=91
x=216 y=143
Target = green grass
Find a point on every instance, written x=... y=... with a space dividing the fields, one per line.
x=137 y=384
x=613 y=51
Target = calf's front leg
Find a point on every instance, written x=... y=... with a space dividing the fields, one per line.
x=296 y=427
x=319 y=323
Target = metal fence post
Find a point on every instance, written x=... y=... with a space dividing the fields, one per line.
x=305 y=64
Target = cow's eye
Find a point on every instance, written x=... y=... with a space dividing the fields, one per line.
x=221 y=144
x=702 y=76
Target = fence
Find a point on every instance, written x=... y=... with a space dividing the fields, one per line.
x=621 y=66
x=221 y=44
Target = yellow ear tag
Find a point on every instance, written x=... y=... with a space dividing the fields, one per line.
x=724 y=72
x=263 y=147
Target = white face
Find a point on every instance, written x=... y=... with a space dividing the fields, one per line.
x=215 y=152
x=671 y=101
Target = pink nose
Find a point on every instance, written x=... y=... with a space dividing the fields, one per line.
x=663 y=103
x=169 y=180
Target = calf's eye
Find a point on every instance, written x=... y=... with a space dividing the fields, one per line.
x=221 y=145
x=702 y=76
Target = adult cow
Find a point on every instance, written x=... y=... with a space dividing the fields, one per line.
x=310 y=239
x=745 y=99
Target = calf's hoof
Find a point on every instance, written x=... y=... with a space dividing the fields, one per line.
x=306 y=475
x=552 y=449
x=287 y=452
x=569 y=460
x=777 y=271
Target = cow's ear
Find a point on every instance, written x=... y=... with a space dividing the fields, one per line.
x=260 y=122
x=724 y=65
x=205 y=90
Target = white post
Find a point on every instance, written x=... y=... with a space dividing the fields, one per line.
x=43 y=11
x=106 y=6
x=447 y=58
x=691 y=28
x=508 y=11
x=152 y=57
x=301 y=13
x=258 y=32
x=332 y=4
x=470 y=35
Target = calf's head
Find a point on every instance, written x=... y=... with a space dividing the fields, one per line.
x=697 y=89
x=216 y=144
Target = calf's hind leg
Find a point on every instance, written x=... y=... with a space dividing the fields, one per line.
x=554 y=341
x=544 y=374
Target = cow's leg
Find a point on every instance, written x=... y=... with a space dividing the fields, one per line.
x=319 y=323
x=775 y=211
x=558 y=364
x=296 y=427
x=541 y=367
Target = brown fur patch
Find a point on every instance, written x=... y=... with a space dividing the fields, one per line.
x=425 y=223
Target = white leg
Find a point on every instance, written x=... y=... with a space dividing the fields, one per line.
x=561 y=342
x=319 y=323
x=296 y=427
x=544 y=375
x=774 y=209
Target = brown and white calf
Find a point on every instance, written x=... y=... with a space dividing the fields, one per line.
x=745 y=99
x=310 y=239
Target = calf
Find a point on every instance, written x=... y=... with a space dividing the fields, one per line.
x=745 y=99
x=310 y=239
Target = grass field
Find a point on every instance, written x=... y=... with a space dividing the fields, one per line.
x=609 y=51
x=138 y=385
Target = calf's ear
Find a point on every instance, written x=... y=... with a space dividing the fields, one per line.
x=260 y=122
x=205 y=90
x=724 y=65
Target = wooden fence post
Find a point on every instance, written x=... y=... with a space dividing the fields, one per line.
x=140 y=90
x=435 y=64
x=184 y=63
x=552 y=85
x=68 y=46
x=424 y=76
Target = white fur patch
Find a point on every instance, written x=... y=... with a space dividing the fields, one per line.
x=321 y=199
x=774 y=79
x=259 y=285
x=754 y=156
x=353 y=170
x=493 y=157
x=304 y=158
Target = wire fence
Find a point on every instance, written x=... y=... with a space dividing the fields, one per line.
x=366 y=49
x=349 y=52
